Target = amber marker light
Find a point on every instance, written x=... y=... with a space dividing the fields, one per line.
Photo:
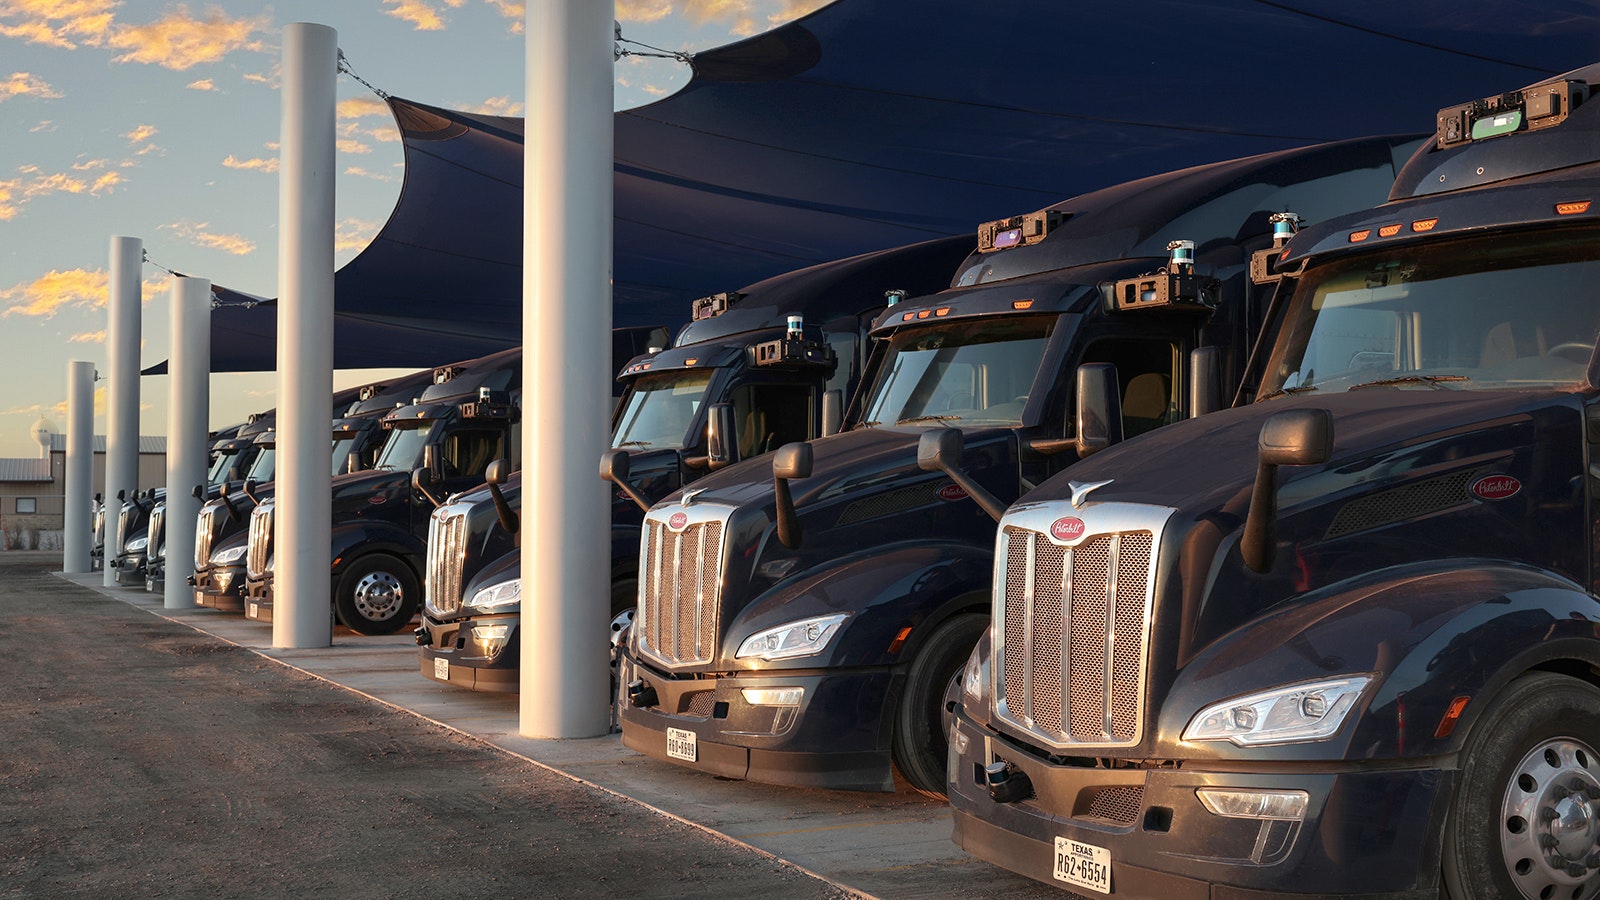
x=924 y=313
x=908 y=317
x=1452 y=714
x=1422 y=225
x=1572 y=209
x=942 y=311
x=899 y=639
x=1022 y=304
x=691 y=360
x=1357 y=237
x=1389 y=230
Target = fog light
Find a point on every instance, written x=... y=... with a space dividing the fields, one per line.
x=224 y=581
x=1289 y=806
x=489 y=640
x=786 y=696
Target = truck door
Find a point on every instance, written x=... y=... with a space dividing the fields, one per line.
x=767 y=416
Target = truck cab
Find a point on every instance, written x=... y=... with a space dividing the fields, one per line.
x=771 y=363
x=460 y=422
x=800 y=616
x=1342 y=640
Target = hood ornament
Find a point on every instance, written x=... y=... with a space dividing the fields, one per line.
x=689 y=495
x=1080 y=490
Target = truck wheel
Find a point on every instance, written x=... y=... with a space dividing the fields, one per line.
x=378 y=594
x=1525 y=820
x=921 y=725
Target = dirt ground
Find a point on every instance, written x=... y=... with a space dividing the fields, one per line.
x=140 y=758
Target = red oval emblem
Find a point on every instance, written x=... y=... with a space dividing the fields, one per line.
x=378 y=498
x=952 y=492
x=1496 y=487
x=677 y=520
x=1068 y=528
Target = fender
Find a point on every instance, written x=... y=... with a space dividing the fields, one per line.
x=625 y=548
x=356 y=539
x=887 y=588
x=1428 y=633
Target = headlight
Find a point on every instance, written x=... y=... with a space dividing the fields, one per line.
x=975 y=678
x=1309 y=711
x=227 y=555
x=495 y=596
x=805 y=637
x=489 y=640
x=136 y=545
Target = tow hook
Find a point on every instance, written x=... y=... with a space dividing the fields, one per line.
x=1007 y=783
x=642 y=694
x=191 y=581
x=422 y=636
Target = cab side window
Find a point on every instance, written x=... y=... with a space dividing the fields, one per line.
x=767 y=416
x=467 y=453
x=1147 y=375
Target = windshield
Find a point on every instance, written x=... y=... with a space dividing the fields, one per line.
x=658 y=408
x=341 y=451
x=1499 y=312
x=403 y=450
x=261 y=469
x=219 y=466
x=973 y=373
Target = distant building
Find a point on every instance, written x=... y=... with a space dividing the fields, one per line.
x=33 y=491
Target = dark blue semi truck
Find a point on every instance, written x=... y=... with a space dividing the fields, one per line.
x=734 y=367
x=1343 y=641
x=800 y=616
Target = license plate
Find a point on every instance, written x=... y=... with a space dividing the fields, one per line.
x=1083 y=865
x=681 y=744
x=441 y=668
x=255 y=612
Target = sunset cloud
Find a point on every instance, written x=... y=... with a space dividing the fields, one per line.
x=8 y=189
x=204 y=84
x=349 y=145
x=179 y=41
x=46 y=295
x=422 y=16
x=105 y=184
x=23 y=84
x=270 y=166
x=57 y=23
x=89 y=337
x=643 y=10
x=354 y=234
x=360 y=172
x=140 y=134
x=498 y=106
x=361 y=107
x=199 y=235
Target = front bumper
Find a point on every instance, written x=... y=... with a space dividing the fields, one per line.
x=258 y=599
x=220 y=587
x=837 y=737
x=448 y=656
x=129 y=568
x=1368 y=832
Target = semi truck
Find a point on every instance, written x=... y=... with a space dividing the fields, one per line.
x=775 y=361
x=800 y=616
x=1344 y=640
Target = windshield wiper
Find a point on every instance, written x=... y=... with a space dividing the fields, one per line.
x=1297 y=389
x=634 y=444
x=915 y=419
x=1430 y=380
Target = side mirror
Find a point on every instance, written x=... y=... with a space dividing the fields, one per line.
x=122 y=496
x=722 y=441
x=614 y=465
x=1099 y=408
x=422 y=481
x=941 y=450
x=1205 y=381
x=1294 y=437
x=789 y=461
x=832 y=411
x=498 y=472
x=199 y=493
x=250 y=490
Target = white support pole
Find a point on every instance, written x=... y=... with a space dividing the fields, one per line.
x=302 y=551
x=188 y=406
x=122 y=393
x=566 y=342
x=76 y=523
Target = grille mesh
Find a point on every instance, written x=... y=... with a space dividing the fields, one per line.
x=446 y=555
x=1120 y=804
x=1407 y=501
x=887 y=504
x=205 y=528
x=679 y=589
x=124 y=520
x=260 y=547
x=155 y=547
x=1078 y=612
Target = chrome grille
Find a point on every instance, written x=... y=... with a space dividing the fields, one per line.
x=260 y=548
x=680 y=584
x=1073 y=620
x=447 y=545
x=155 y=547
x=124 y=521
x=205 y=530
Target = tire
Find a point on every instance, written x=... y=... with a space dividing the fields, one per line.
x=378 y=594
x=921 y=721
x=1534 y=753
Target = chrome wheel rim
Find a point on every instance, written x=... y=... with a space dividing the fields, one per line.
x=378 y=596
x=1550 y=822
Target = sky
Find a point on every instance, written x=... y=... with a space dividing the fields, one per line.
x=159 y=120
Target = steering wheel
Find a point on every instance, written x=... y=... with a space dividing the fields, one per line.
x=1577 y=351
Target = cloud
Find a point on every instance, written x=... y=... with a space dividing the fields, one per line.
x=354 y=234
x=348 y=145
x=23 y=84
x=105 y=184
x=54 y=183
x=140 y=134
x=203 y=84
x=179 y=41
x=8 y=189
x=46 y=295
x=44 y=125
x=259 y=164
x=57 y=23
x=643 y=10
x=361 y=107
x=88 y=337
x=513 y=10
x=421 y=16
x=360 y=172
x=498 y=106
x=199 y=235
x=270 y=79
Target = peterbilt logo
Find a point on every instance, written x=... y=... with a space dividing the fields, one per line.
x=677 y=521
x=952 y=492
x=378 y=498
x=1496 y=487
x=1068 y=528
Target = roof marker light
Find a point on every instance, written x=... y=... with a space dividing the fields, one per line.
x=1422 y=225
x=691 y=360
x=1389 y=230
x=1022 y=304
x=942 y=311
x=1357 y=237
x=924 y=313
x=1572 y=209
x=908 y=317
